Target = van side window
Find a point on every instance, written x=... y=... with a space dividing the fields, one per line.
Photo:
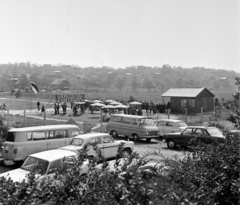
x=116 y=119
x=73 y=132
x=29 y=136
x=59 y=134
x=51 y=134
x=38 y=136
x=126 y=120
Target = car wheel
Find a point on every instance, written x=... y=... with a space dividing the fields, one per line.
x=171 y=144
x=126 y=153
x=135 y=137
x=148 y=139
x=114 y=134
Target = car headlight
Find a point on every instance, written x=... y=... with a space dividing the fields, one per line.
x=158 y=133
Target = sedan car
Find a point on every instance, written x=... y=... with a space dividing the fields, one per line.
x=105 y=143
x=187 y=136
x=44 y=164
x=169 y=125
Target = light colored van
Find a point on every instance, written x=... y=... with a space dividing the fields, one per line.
x=21 y=142
x=133 y=126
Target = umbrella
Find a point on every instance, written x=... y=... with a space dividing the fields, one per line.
x=135 y=103
x=109 y=101
x=97 y=101
x=115 y=103
x=121 y=106
x=97 y=105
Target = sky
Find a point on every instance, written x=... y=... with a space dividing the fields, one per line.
x=121 y=33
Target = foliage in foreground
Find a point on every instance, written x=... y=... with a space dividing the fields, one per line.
x=207 y=175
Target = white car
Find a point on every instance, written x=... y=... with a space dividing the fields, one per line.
x=169 y=125
x=106 y=144
x=44 y=164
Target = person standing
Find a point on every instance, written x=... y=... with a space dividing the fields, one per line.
x=58 y=108
x=43 y=109
x=38 y=105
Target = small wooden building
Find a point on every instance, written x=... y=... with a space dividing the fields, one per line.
x=191 y=98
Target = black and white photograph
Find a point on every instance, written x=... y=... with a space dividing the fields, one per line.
x=129 y=102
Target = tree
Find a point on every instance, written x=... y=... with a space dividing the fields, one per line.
x=134 y=83
x=147 y=83
x=119 y=83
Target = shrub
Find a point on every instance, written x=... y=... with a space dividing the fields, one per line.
x=207 y=175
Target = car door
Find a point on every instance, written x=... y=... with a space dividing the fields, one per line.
x=110 y=147
x=185 y=137
x=95 y=141
x=169 y=127
x=160 y=125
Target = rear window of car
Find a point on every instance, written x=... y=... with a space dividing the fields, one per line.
x=11 y=136
x=214 y=131
x=182 y=124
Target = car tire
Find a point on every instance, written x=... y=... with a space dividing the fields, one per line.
x=135 y=137
x=114 y=134
x=148 y=139
x=126 y=153
x=171 y=144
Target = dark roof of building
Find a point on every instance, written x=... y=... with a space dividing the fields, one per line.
x=184 y=92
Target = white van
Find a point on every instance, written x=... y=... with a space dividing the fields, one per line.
x=21 y=142
x=137 y=127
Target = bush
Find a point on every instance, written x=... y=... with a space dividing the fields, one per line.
x=207 y=175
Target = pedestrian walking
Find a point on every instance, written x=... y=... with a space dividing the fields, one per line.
x=38 y=105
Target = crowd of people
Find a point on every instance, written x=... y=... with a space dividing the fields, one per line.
x=149 y=106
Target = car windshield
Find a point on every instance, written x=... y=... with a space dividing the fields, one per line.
x=77 y=141
x=39 y=166
x=214 y=132
x=147 y=122
x=182 y=124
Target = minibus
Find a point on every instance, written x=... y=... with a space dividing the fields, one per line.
x=132 y=126
x=21 y=142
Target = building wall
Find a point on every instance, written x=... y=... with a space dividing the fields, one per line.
x=205 y=99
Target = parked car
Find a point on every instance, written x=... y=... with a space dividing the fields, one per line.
x=235 y=133
x=106 y=144
x=202 y=133
x=137 y=127
x=44 y=164
x=21 y=142
x=169 y=125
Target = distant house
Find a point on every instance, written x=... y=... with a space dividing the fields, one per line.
x=191 y=98
x=61 y=84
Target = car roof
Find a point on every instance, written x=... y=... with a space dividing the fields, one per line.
x=91 y=135
x=203 y=127
x=169 y=120
x=52 y=155
x=132 y=116
x=38 y=128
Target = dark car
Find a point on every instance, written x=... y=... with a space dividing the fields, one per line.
x=193 y=134
x=235 y=133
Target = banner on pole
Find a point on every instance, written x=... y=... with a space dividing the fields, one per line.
x=59 y=98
